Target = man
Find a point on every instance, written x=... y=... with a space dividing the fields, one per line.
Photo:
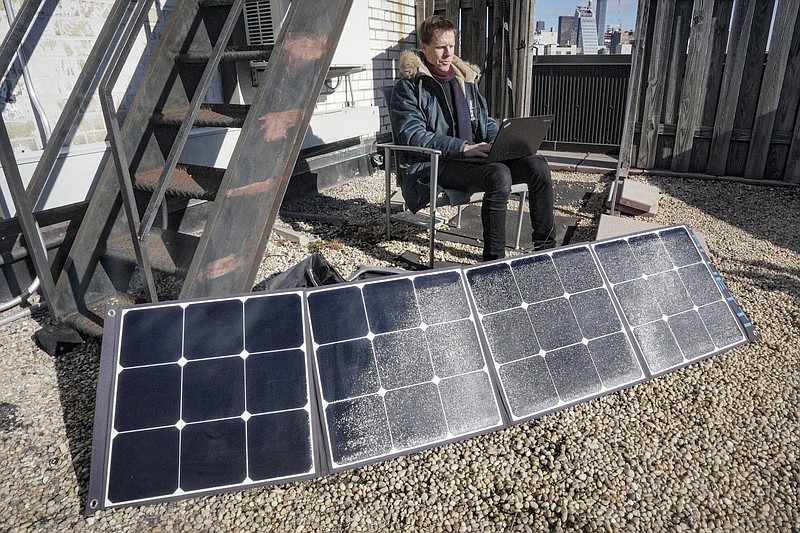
x=436 y=104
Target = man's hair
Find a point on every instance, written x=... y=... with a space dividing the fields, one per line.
x=431 y=25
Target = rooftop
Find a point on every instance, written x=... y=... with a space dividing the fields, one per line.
x=712 y=446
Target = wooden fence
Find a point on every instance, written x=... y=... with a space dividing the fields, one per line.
x=718 y=89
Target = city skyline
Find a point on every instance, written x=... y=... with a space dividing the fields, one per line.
x=617 y=12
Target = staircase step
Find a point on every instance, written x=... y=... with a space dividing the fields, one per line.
x=169 y=252
x=188 y=181
x=231 y=53
x=211 y=115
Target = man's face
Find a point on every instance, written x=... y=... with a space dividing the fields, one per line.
x=439 y=52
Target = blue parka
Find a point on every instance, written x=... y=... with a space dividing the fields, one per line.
x=421 y=116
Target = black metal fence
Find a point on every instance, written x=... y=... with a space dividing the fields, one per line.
x=587 y=96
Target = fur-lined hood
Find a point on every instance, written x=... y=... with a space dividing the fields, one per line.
x=411 y=63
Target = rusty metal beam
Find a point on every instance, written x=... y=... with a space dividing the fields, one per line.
x=247 y=205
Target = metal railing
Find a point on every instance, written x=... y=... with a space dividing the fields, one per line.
x=587 y=95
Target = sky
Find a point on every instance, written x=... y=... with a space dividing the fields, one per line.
x=618 y=11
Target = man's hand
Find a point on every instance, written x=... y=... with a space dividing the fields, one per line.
x=480 y=150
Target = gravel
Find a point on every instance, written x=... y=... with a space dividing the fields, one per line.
x=712 y=447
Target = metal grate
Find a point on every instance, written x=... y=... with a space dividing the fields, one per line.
x=259 y=24
x=587 y=96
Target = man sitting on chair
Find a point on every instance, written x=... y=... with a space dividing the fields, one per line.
x=436 y=104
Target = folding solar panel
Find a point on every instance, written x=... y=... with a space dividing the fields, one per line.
x=554 y=334
x=201 y=397
x=205 y=396
x=401 y=366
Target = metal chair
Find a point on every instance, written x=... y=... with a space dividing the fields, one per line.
x=439 y=197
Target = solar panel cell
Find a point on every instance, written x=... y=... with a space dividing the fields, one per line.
x=577 y=269
x=618 y=261
x=337 y=315
x=213 y=388
x=152 y=336
x=528 y=386
x=151 y=396
x=691 y=335
x=659 y=348
x=554 y=323
x=680 y=246
x=441 y=297
x=279 y=445
x=701 y=286
x=595 y=313
x=455 y=348
x=213 y=454
x=537 y=278
x=204 y=321
x=347 y=369
x=276 y=381
x=510 y=335
x=721 y=324
x=271 y=323
x=416 y=416
x=573 y=372
x=650 y=252
x=358 y=429
x=637 y=301
x=493 y=288
x=469 y=403
x=144 y=464
x=403 y=358
x=391 y=306
x=615 y=360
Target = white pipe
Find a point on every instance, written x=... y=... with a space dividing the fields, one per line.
x=45 y=131
x=21 y=314
x=44 y=125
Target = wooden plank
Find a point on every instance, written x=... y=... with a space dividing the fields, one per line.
x=228 y=255
x=717 y=51
x=451 y=12
x=751 y=83
x=788 y=107
x=654 y=98
x=522 y=53
x=771 y=85
x=791 y=173
x=731 y=85
x=681 y=28
x=632 y=98
x=694 y=85
x=473 y=32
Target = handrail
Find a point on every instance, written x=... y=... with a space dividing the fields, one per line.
x=24 y=207
x=113 y=71
x=80 y=92
x=19 y=27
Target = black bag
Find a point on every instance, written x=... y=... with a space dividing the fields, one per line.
x=312 y=271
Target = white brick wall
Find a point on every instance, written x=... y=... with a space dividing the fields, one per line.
x=59 y=42
x=66 y=34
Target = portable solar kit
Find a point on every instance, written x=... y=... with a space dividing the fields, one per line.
x=215 y=395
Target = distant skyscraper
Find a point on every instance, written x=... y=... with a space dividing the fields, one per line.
x=586 y=30
x=539 y=26
x=600 y=16
x=566 y=35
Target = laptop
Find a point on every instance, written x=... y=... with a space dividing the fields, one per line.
x=518 y=137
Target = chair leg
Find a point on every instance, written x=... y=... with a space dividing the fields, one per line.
x=522 y=197
x=433 y=186
x=458 y=217
x=388 y=172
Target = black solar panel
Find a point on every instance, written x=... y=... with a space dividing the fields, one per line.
x=216 y=395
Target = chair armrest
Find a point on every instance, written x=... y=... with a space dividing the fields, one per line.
x=404 y=148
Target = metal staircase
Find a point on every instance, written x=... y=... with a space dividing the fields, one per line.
x=118 y=233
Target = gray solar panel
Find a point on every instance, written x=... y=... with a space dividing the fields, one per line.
x=214 y=395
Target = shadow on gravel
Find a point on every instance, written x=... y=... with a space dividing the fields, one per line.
x=77 y=382
x=360 y=223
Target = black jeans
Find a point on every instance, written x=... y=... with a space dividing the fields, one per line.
x=495 y=180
